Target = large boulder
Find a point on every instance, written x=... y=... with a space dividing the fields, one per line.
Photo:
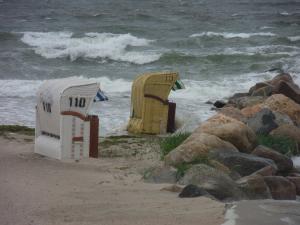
x=287 y=130
x=279 y=78
x=262 y=122
x=230 y=130
x=244 y=164
x=196 y=146
x=296 y=182
x=254 y=187
x=215 y=182
x=284 y=105
x=233 y=112
x=284 y=164
x=290 y=90
x=252 y=110
x=268 y=88
x=263 y=91
x=281 y=188
x=161 y=174
x=281 y=119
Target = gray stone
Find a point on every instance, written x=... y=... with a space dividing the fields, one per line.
x=161 y=174
x=244 y=164
x=262 y=122
x=284 y=164
x=242 y=102
x=215 y=182
x=191 y=191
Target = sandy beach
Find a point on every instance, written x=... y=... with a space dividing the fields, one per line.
x=36 y=190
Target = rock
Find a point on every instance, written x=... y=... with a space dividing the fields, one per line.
x=219 y=104
x=246 y=101
x=281 y=77
x=191 y=191
x=254 y=187
x=268 y=87
x=289 y=131
x=161 y=174
x=266 y=171
x=219 y=166
x=284 y=105
x=257 y=86
x=262 y=122
x=288 y=89
x=251 y=110
x=244 y=164
x=296 y=182
x=197 y=145
x=281 y=188
x=214 y=181
x=263 y=91
x=234 y=113
x=284 y=164
x=230 y=130
x=172 y=188
x=281 y=119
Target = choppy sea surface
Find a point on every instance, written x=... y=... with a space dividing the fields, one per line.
x=218 y=47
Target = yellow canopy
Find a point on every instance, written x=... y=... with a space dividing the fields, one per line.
x=149 y=102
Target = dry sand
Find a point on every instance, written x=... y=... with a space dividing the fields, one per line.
x=37 y=190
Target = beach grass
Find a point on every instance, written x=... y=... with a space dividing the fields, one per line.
x=169 y=143
x=16 y=129
x=283 y=145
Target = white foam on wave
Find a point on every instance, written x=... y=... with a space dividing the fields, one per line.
x=19 y=88
x=266 y=50
x=28 y=88
x=219 y=88
x=285 y=13
x=91 y=45
x=294 y=38
x=296 y=161
x=228 y=35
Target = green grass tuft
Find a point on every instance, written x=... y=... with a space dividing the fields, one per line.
x=169 y=143
x=283 y=145
x=16 y=129
x=183 y=167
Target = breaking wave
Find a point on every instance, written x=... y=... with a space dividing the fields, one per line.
x=91 y=45
x=227 y=35
x=295 y=38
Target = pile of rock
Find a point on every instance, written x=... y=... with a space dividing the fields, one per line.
x=239 y=168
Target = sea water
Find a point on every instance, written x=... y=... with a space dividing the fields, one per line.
x=218 y=48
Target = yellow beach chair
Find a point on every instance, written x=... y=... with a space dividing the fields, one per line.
x=151 y=112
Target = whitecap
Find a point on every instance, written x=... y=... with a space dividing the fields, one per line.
x=91 y=45
x=296 y=161
x=294 y=38
x=285 y=13
x=228 y=35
